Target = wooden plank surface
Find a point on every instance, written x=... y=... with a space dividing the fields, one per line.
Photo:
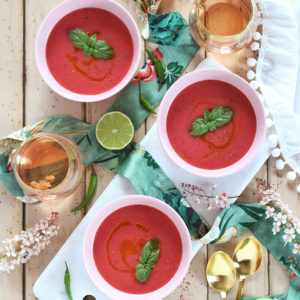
x=11 y=118
x=39 y=102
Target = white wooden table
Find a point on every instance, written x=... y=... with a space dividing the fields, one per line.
x=25 y=98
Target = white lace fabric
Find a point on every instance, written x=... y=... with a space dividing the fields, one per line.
x=276 y=75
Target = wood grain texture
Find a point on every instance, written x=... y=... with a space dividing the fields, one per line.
x=41 y=102
x=11 y=118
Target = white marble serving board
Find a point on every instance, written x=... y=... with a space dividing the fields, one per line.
x=50 y=284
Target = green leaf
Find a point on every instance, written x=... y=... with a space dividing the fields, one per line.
x=211 y=125
x=199 y=127
x=149 y=256
x=90 y=45
x=79 y=38
x=219 y=116
x=87 y=51
x=92 y=40
x=142 y=273
x=103 y=52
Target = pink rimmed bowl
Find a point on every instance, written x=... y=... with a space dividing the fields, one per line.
x=99 y=217
x=56 y=15
x=241 y=85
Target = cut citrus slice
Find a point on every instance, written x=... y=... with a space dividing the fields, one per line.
x=114 y=130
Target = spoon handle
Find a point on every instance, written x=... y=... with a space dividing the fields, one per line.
x=223 y=295
x=240 y=289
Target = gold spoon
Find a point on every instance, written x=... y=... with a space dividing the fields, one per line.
x=220 y=273
x=246 y=259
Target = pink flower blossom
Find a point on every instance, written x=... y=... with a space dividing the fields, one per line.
x=21 y=247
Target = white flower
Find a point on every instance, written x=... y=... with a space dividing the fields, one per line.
x=42 y=224
x=289 y=235
x=280 y=218
x=4 y=266
x=46 y=230
x=296 y=248
x=265 y=200
x=197 y=199
x=297 y=226
x=10 y=251
x=53 y=230
x=38 y=227
x=35 y=250
x=276 y=228
x=183 y=201
x=24 y=248
x=269 y=192
x=279 y=205
x=225 y=203
x=269 y=212
x=35 y=235
x=28 y=238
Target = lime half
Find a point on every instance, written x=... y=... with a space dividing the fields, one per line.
x=114 y=130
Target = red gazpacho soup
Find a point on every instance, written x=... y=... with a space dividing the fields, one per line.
x=85 y=74
x=214 y=149
x=119 y=243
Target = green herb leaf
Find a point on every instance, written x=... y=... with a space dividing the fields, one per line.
x=149 y=256
x=219 y=116
x=90 y=45
x=92 y=40
x=199 y=127
x=87 y=51
x=79 y=38
x=103 y=50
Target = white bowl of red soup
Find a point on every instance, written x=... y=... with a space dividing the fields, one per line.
x=211 y=123
x=116 y=248
x=88 y=50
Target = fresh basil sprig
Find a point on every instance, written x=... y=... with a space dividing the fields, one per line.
x=149 y=256
x=90 y=45
x=219 y=116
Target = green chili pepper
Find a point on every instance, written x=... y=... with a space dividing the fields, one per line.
x=90 y=192
x=144 y=102
x=147 y=105
x=67 y=281
x=159 y=69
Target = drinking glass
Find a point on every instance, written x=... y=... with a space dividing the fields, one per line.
x=48 y=166
x=223 y=26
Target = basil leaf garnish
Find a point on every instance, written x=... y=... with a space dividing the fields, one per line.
x=90 y=45
x=219 y=116
x=149 y=256
x=79 y=38
x=103 y=50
